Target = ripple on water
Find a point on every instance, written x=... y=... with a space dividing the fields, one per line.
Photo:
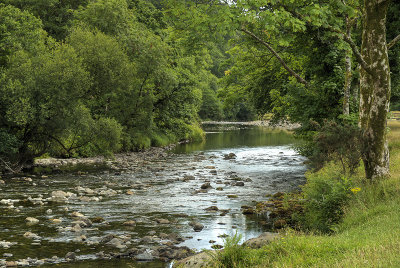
x=167 y=188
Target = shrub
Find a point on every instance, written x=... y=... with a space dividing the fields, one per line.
x=105 y=136
x=325 y=195
x=335 y=141
x=159 y=139
x=196 y=133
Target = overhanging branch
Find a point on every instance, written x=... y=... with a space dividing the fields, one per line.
x=393 y=42
x=270 y=48
x=354 y=48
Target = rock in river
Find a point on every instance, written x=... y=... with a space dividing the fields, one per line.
x=116 y=243
x=197 y=227
x=31 y=235
x=70 y=256
x=31 y=220
x=206 y=185
x=229 y=156
x=162 y=221
x=212 y=209
x=261 y=240
x=129 y=223
x=60 y=196
x=145 y=256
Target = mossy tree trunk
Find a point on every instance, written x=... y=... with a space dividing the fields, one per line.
x=375 y=89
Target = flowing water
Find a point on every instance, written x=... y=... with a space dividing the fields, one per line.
x=167 y=188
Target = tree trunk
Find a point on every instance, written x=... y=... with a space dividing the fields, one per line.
x=347 y=85
x=375 y=89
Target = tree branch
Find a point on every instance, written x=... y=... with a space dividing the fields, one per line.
x=393 y=42
x=354 y=48
x=283 y=63
x=7 y=165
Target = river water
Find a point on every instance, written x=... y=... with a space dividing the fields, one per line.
x=167 y=188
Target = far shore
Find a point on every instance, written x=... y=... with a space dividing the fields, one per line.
x=122 y=161
x=261 y=123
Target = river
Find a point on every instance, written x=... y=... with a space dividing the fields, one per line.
x=242 y=164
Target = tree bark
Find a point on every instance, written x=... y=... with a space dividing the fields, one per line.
x=347 y=85
x=375 y=89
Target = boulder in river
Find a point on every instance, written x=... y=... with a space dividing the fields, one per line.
x=31 y=220
x=196 y=261
x=70 y=256
x=6 y=244
x=197 y=227
x=116 y=243
x=31 y=235
x=107 y=238
x=76 y=228
x=60 y=196
x=77 y=214
x=212 y=209
x=145 y=256
x=162 y=221
x=206 y=185
x=129 y=223
x=229 y=156
x=11 y=264
x=97 y=219
x=55 y=221
x=261 y=240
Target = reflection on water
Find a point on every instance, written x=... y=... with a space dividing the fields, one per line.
x=236 y=136
x=167 y=188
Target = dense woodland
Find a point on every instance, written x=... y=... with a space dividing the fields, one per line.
x=89 y=77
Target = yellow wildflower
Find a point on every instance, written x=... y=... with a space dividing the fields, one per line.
x=355 y=190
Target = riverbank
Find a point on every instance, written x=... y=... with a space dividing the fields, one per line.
x=122 y=161
x=259 y=123
x=367 y=236
x=119 y=162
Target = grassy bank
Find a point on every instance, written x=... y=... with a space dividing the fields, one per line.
x=368 y=234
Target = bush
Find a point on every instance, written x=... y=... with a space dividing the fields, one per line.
x=334 y=141
x=159 y=139
x=105 y=138
x=325 y=196
x=196 y=133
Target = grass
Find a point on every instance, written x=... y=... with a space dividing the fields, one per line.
x=368 y=235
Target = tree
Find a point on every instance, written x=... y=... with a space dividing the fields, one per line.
x=273 y=24
x=374 y=87
x=54 y=14
x=40 y=99
x=19 y=30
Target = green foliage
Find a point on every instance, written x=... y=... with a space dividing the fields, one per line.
x=211 y=107
x=109 y=16
x=39 y=95
x=55 y=14
x=336 y=141
x=19 y=30
x=107 y=136
x=326 y=193
x=136 y=141
x=111 y=71
x=233 y=254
